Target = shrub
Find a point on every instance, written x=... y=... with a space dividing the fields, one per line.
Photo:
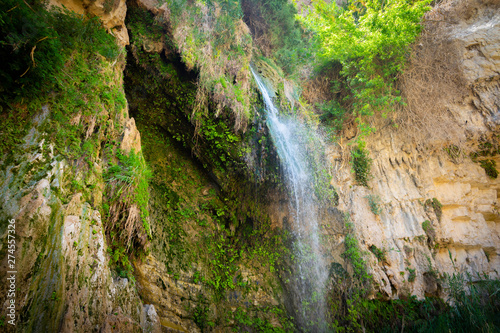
x=412 y=274
x=354 y=255
x=426 y=225
x=436 y=206
x=361 y=163
x=429 y=231
x=476 y=303
x=374 y=202
x=380 y=254
x=489 y=167
x=371 y=39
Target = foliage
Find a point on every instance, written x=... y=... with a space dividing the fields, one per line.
x=408 y=314
x=486 y=149
x=412 y=274
x=426 y=225
x=246 y=321
x=476 y=303
x=371 y=40
x=436 y=206
x=374 y=202
x=210 y=37
x=489 y=167
x=379 y=253
x=222 y=259
x=278 y=34
x=36 y=44
x=361 y=164
x=39 y=52
x=353 y=255
x=119 y=259
x=127 y=186
x=201 y=312
x=333 y=115
x=475 y=309
x=169 y=97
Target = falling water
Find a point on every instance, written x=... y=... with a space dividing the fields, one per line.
x=308 y=285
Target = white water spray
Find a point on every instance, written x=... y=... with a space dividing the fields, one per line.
x=308 y=286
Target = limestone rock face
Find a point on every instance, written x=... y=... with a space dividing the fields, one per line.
x=439 y=210
x=478 y=37
x=111 y=12
x=131 y=137
x=476 y=33
x=63 y=276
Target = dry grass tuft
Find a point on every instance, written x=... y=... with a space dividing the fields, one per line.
x=431 y=83
x=318 y=89
x=127 y=186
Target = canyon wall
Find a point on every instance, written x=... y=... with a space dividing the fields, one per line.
x=216 y=231
x=438 y=206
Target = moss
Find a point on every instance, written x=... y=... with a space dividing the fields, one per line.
x=220 y=82
x=72 y=76
x=260 y=320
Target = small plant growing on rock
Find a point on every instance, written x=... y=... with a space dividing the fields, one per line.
x=426 y=225
x=429 y=231
x=436 y=206
x=127 y=185
x=379 y=253
x=412 y=274
x=489 y=167
x=353 y=253
x=361 y=164
x=374 y=202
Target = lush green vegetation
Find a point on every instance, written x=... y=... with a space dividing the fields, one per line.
x=201 y=229
x=353 y=255
x=476 y=306
x=475 y=300
x=66 y=62
x=127 y=212
x=54 y=58
x=361 y=164
x=489 y=167
x=436 y=206
x=278 y=34
x=248 y=320
x=63 y=60
x=219 y=50
x=371 y=40
x=36 y=44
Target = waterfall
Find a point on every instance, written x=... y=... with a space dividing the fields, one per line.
x=310 y=274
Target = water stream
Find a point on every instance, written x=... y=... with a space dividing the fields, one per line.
x=309 y=271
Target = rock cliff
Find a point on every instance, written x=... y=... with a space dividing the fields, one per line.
x=214 y=247
x=438 y=208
